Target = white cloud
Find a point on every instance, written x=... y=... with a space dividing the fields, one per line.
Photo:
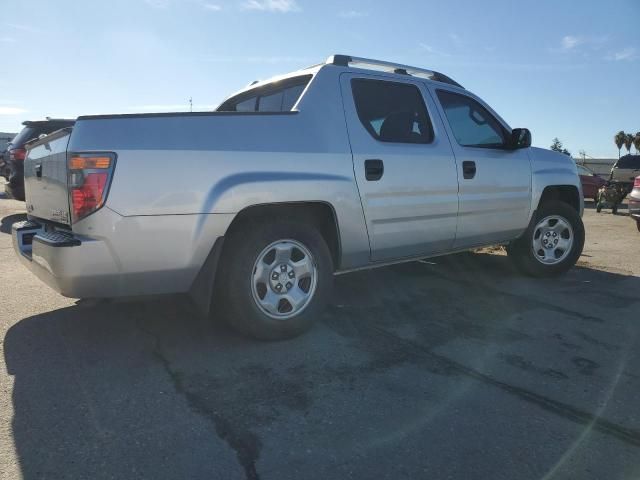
x=11 y=110
x=157 y=3
x=429 y=49
x=212 y=7
x=455 y=38
x=23 y=28
x=627 y=54
x=573 y=43
x=282 y=6
x=353 y=14
x=257 y=59
x=570 y=42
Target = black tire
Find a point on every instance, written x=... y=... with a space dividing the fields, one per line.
x=241 y=251
x=521 y=252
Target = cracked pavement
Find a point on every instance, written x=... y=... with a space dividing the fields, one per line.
x=457 y=367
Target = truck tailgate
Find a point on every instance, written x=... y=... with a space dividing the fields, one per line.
x=45 y=178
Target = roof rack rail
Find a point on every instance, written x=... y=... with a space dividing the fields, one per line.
x=381 y=65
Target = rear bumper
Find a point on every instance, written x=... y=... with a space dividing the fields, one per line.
x=117 y=256
x=65 y=262
x=634 y=208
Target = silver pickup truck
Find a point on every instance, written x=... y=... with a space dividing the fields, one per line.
x=251 y=209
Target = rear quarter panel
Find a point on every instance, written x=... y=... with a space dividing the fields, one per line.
x=218 y=163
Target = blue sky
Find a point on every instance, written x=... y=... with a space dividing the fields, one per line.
x=562 y=68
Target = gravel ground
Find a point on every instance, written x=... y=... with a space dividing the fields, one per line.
x=456 y=367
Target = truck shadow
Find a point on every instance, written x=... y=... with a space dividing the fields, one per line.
x=147 y=389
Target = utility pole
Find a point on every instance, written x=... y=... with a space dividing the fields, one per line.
x=583 y=154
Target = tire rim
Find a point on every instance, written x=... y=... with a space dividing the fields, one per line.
x=284 y=279
x=552 y=240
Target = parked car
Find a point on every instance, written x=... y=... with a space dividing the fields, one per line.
x=626 y=169
x=16 y=152
x=634 y=202
x=590 y=182
x=4 y=163
x=350 y=164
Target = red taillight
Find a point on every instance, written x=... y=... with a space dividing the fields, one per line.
x=88 y=182
x=18 y=154
x=89 y=196
x=636 y=183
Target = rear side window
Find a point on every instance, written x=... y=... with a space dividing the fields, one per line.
x=392 y=112
x=629 y=162
x=470 y=122
x=248 y=105
x=276 y=97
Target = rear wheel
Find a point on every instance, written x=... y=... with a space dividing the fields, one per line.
x=275 y=278
x=553 y=242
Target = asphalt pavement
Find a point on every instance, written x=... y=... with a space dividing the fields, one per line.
x=451 y=368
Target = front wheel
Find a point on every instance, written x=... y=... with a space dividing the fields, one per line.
x=275 y=279
x=552 y=244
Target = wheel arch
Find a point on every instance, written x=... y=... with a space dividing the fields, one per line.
x=320 y=213
x=569 y=194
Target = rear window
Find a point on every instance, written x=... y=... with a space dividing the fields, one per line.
x=30 y=132
x=24 y=136
x=275 y=97
x=629 y=161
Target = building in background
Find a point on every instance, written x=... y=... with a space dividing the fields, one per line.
x=599 y=166
x=4 y=139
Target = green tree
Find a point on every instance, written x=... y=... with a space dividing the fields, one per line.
x=557 y=146
x=628 y=141
x=636 y=142
x=619 y=140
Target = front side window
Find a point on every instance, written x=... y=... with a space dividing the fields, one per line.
x=472 y=124
x=392 y=112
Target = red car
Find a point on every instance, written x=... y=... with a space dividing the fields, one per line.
x=590 y=183
x=634 y=202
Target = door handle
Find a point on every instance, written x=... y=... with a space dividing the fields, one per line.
x=373 y=170
x=468 y=169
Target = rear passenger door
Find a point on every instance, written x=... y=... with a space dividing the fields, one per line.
x=403 y=164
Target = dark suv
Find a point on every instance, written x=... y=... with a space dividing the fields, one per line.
x=626 y=169
x=16 y=151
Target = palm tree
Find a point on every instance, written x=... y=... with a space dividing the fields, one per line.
x=628 y=141
x=619 y=140
x=636 y=142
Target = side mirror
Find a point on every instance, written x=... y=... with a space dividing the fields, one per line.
x=520 y=138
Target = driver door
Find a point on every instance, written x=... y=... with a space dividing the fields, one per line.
x=495 y=182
